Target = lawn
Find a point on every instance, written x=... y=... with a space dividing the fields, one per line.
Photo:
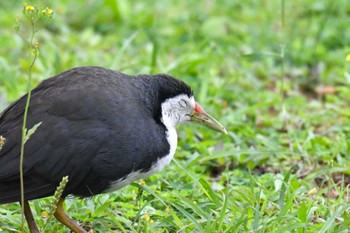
x=274 y=73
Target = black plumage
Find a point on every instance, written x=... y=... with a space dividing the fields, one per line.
x=97 y=126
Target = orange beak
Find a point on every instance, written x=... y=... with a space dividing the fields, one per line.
x=199 y=116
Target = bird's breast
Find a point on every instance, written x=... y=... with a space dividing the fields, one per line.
x=157 y=166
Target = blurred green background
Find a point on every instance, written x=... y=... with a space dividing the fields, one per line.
x=273 y=72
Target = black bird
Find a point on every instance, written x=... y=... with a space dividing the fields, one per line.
x=103 y=129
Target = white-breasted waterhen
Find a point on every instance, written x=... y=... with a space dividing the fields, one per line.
x=103 y=129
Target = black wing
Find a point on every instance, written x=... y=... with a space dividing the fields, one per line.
x=83 y=134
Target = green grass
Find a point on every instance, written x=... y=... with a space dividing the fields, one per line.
x=285 y=165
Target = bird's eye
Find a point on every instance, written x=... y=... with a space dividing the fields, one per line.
x=183 y=103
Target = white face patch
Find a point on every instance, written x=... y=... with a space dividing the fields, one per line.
x=177 y=110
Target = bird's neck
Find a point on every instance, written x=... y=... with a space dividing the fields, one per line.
x=171 y=134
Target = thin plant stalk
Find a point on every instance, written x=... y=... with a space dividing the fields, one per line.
x=33 y=52
x=283 y=47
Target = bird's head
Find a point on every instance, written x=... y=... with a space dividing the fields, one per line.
x=179 y=106
x=184 y=109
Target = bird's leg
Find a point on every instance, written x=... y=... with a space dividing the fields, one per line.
x=65 y=219
x=33 y=228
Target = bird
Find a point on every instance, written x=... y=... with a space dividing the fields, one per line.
x=101 y=128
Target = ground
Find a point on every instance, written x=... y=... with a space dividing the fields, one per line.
x=275 y=73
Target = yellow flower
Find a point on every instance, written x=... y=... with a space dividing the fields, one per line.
x=24 y=4
x=142 y=182
x=44 y=214
x=36 y=45
x=30 y=8
x=348 y=57
x=146 y=216
x=47 y=11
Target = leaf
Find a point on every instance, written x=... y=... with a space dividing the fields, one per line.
x=31 y=131
x=2 y=141
x=332 y=219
